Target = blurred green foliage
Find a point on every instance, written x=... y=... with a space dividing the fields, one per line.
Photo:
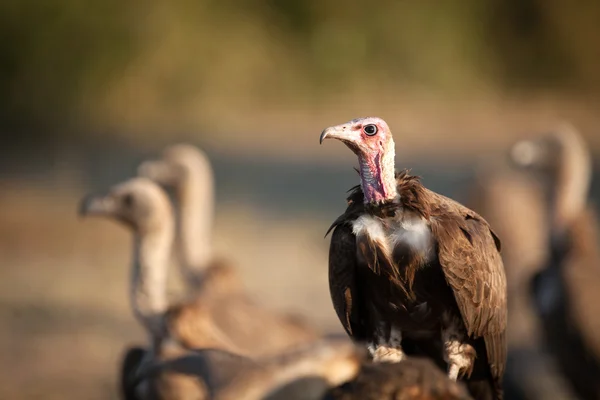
x=68 y=63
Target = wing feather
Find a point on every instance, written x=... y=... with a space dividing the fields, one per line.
x=468 y=253
x=342 y=279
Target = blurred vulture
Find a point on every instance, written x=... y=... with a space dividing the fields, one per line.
x=187 y=171
x=207 y=321
x=411 y=270
x=331 y=369
x=566 y=292
x=516 y=206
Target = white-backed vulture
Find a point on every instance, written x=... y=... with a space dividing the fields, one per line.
x=516 y=206
x=230 y=322
x=409 y=266
x=187 y=171
x=145 y=209
x=308 y=370
x=566 y=291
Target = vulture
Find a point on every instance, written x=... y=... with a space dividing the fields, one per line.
x=186 y=170
x=515 y=204
x=413 y=379
x=414 y=272
x=305 y=372
x=327 y=369
x=565 y=291
x=204 y=321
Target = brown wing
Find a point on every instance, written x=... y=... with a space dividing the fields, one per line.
x=469 y=254
x=342 y=279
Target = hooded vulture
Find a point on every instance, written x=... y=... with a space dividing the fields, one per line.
x=414 y=272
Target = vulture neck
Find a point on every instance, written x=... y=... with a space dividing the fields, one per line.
x=572 y=182
x=196 y=200
x=149 y=278
x=377 y=175
x=333 y=365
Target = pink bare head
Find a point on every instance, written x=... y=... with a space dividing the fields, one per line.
x=371 y=140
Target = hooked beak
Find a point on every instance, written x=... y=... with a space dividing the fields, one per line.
x=96 y=205
x=341 y=132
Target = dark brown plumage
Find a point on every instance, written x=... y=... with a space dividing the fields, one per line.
x=407 y=263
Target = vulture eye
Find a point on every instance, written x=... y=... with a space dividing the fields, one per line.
x=128 y=200
x=370 y=129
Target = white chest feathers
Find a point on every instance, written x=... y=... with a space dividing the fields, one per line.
x=408 y=230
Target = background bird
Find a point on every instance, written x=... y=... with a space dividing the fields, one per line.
x=516 y=205
x=144 y=208
x=213 y=281
x=187 y=171
x=328 y=369
x=565 y=290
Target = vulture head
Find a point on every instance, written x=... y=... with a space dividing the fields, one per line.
x=176 y=166
x=546 y=154
x=367 y=137
x=535 y=154
x=563 y=161
x=371 y=140
x=138 y=203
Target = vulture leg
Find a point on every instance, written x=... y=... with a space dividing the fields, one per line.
x=387 y=348
x=459 y=355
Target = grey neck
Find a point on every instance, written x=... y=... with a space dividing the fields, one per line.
x=196 y=200
x=572 y=180
x=149 y=278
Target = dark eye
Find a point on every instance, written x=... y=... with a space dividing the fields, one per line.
x=128 y=200
x=370 y=129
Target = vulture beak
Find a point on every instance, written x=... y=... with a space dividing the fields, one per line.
x=96 y=205
x=341 y=132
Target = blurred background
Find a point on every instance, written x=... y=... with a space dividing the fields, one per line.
x=90 y=89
